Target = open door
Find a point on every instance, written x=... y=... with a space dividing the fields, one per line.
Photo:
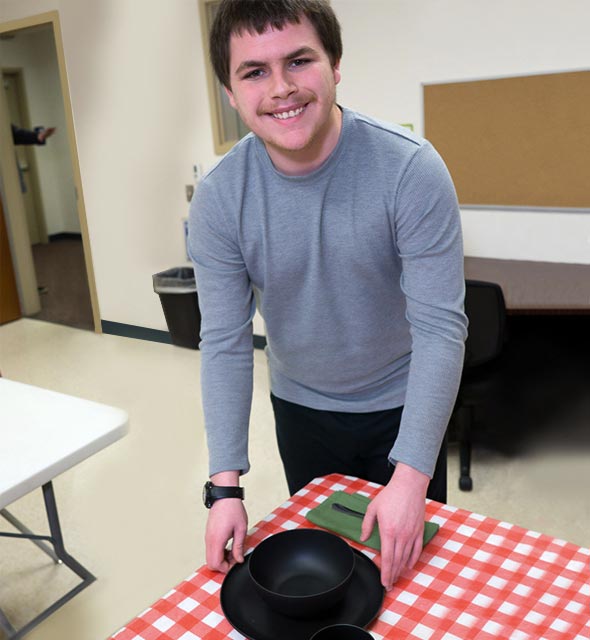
x=25 y=157
x=9 y=303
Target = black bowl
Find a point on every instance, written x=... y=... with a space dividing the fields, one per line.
x=302 y=572
x=342 y=632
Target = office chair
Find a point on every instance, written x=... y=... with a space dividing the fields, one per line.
x=486 y=311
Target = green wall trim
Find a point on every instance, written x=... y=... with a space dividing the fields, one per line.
x=153 y=335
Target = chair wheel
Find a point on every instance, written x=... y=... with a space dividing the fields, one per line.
x=465 y=483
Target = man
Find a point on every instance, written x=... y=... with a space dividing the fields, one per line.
x=25 y=136
x=345 y=232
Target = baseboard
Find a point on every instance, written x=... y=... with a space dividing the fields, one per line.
x=259 y=342
x=133 y=331
x=153 y=335
x=56 y=237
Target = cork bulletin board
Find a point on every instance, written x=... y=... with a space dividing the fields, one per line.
x=514 y=142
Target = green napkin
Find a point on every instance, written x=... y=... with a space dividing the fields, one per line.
x=348 y=525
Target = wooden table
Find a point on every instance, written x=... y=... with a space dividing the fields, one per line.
x=478 y=578
x=42 y=434
x=536 y=287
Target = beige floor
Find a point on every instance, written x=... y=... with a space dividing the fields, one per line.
x=132 y=513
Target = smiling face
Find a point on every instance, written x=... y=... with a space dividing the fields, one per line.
x=284 y=88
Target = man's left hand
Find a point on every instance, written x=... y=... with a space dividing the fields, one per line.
x=398 y=510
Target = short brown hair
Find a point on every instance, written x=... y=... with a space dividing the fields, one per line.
x=235 y=16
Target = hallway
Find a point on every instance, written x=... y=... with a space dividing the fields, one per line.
x=62 y=281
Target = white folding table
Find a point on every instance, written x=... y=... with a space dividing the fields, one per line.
x=42 y=434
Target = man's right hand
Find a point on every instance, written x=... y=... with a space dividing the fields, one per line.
x=43 y=134
x=227 y=521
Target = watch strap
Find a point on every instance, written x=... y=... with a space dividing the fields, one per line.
x=212 y=493
x=226 y=492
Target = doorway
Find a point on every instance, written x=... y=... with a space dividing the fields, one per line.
x=51 y=252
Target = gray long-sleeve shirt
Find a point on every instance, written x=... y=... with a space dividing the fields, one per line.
x=357 y=270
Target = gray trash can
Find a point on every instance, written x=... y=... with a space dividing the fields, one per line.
x=178 y=295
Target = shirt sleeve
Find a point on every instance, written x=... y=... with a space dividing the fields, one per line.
x=429 y=242
x=227 y=306
x=24 y=136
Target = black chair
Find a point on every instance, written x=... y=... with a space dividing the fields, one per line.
x=486 y=311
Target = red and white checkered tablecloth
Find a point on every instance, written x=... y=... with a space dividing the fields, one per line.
x=478 y=578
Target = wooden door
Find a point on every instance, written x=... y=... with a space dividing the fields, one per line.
x=9 y=304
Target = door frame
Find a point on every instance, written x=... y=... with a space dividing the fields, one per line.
x=22 y=254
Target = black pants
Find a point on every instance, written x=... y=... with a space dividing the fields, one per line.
x=315 y=443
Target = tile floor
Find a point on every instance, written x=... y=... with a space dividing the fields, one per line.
x=132 y=513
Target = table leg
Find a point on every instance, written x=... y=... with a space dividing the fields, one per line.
x=25 y=532
x=5 y=624
x=58 y=544
x=60 y=555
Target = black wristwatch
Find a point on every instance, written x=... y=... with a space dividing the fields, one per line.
x=212 y=493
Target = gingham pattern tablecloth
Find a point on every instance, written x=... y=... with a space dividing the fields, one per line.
x=478 y=578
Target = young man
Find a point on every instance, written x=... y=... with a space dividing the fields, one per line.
x=345 y=232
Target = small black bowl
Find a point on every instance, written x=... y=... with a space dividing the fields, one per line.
x=302 y=572
x=342 y=632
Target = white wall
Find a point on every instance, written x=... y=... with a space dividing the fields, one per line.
x=33 y=52
x=138 y=89
x=393 y=47
x=141 y=116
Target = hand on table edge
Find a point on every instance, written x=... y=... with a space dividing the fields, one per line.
x=398 y=510
x=227 y=521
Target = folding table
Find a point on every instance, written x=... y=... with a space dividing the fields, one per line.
x=42 y=434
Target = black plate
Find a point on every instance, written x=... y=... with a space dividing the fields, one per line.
x=253 y=618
